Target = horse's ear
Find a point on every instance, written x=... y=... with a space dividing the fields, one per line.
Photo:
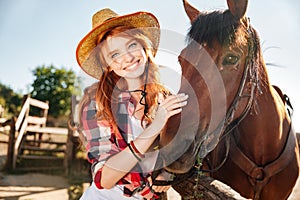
x=190 y=10
x=237 y=8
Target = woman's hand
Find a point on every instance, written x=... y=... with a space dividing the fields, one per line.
x=170 y=106
x=157 y=188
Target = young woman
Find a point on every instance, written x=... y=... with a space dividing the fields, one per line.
x=123 y=114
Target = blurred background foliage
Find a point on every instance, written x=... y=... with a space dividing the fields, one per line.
x=52 y=84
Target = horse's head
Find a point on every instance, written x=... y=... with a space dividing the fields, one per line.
x=216 y=67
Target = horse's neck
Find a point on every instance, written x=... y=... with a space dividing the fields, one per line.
x=264 y=129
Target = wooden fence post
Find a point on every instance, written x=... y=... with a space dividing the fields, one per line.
x=69 y=155
x=11 y=144
x=72 y=143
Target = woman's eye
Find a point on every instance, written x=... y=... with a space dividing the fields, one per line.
x=230 y=60
x=132 y=45
x=115 y=55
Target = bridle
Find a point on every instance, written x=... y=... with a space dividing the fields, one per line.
x=228 y=124
x=251 y=74
x=258 y=175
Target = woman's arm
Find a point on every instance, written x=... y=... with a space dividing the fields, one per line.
x=121 y=163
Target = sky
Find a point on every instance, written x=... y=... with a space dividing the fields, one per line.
x=46 y=32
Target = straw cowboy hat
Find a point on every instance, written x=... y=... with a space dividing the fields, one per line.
x=106 y=19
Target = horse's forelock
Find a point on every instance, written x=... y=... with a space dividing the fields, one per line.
x=217 y=25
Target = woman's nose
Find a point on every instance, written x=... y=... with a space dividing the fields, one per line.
x=128 y=57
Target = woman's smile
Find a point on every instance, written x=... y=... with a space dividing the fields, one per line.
x=132 y=66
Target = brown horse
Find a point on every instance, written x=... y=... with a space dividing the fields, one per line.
x=236 y=122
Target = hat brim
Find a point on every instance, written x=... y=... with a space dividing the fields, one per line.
x=145 y=21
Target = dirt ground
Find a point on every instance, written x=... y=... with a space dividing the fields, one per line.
x=37 y=186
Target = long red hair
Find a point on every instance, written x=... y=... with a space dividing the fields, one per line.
x=110 y=85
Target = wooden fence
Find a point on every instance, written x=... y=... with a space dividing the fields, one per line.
x=27 y=126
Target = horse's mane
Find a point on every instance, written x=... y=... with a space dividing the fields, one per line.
x=216 y=25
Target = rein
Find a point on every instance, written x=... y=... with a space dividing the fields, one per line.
x=229 y=123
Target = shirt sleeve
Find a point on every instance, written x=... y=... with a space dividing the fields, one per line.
x=99 y=140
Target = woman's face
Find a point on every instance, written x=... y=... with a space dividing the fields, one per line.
x=125 y=56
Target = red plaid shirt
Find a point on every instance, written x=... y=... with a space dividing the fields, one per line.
x=102 y=142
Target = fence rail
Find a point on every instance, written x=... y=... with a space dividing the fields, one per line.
x=26 y=124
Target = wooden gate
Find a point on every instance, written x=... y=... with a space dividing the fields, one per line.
x=31 y=139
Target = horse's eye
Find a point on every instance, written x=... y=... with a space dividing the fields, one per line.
x=230 y=60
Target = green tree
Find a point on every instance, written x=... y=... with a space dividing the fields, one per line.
x=55 y=86
x=10 y=100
